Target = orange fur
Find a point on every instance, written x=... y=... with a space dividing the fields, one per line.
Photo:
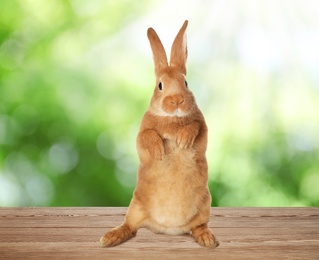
x=171 y=194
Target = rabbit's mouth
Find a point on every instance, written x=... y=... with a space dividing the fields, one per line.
x=177 y=112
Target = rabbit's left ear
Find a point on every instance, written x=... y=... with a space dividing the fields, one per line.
x=179 y=50
x=159 y=54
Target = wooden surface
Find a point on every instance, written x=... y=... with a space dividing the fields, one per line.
x=244 y=233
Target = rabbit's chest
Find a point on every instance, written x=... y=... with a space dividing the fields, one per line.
x=173 y=152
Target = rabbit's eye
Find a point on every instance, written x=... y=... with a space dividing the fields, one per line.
x=186 y=84
x=160 y=87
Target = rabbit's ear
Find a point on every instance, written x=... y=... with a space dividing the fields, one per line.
x=159 y=54
x=179 y=50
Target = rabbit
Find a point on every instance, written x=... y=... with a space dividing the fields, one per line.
x=171 y=194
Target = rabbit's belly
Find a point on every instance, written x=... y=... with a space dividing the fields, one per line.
x=172 y=214
x=175 y=197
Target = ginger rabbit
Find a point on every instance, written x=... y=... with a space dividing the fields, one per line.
x=171 y=194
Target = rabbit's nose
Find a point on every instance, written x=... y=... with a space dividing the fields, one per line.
x=177 y=100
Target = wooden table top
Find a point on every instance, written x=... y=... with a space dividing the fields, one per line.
x=243 y=233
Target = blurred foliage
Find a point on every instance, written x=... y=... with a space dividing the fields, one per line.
x=76 y=78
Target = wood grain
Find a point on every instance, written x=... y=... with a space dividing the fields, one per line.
x=244 y=233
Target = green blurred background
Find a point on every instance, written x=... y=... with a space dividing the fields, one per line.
x=76 y=77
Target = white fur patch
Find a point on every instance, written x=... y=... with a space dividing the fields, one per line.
x=177 y=113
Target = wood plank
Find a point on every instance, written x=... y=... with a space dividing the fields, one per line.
x=99 y=217
x=244 y=233
x=92 y=234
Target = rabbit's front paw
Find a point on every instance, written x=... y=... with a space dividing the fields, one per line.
x=185 y=137
x=151 y=141
x=156 y=149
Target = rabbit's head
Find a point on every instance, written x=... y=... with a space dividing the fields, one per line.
x=171 y=96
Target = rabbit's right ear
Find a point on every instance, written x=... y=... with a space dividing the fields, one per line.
x=179 y=50
x=159 y=54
